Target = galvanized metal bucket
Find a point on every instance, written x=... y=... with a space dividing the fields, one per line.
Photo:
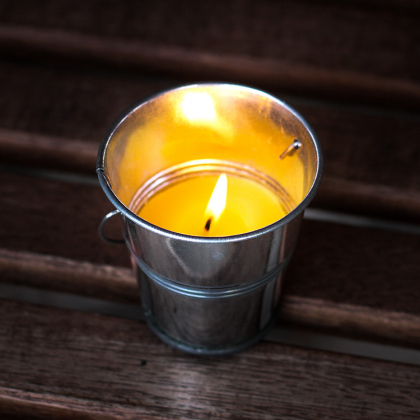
x=210 y=295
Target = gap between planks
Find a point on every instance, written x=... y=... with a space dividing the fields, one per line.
x=119 y=285
x=184 y=62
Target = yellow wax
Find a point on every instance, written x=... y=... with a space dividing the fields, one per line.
x=181 y=207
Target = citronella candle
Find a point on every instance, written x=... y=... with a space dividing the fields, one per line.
x=211 y=182
x=182 y=207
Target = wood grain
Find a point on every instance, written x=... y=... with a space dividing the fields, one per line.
x=70 y=276
x=57 y=363
x=179 y=62
x=358 y=266
x=26 y=148
x=119 y=284
x=345 y=50
x=76 y=67
x=349 y=318
x=370 y=199
x=57 y=218
x=336 y=264
x=67 y=103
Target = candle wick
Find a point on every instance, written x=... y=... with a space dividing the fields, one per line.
x=208 y=223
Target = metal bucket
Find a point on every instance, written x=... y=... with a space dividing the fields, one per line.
x=210 y=295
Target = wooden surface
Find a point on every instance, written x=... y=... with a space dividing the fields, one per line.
x=343 y=265
x=68 y=69
x=352 y=49
x=104 y=367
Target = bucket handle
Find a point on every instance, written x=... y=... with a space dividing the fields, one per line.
x=101 y=229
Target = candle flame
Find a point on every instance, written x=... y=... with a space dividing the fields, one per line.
x=198 y=107
x=217 y=202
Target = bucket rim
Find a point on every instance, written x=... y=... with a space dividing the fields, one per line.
x=126 y=212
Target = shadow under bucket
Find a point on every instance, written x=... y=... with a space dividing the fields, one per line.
x=210 y=287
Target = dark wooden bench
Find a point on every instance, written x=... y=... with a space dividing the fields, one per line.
x=67 y=70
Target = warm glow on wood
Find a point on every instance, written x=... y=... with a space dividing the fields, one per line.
x=217 y=202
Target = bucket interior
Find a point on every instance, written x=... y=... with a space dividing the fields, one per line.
x=225 y=123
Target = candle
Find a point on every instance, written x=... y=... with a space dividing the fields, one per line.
x=182 y=207
x=211 y=182
x=201 y=127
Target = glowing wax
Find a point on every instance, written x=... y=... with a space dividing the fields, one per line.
x=182 y=207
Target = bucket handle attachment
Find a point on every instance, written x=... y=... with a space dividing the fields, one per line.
x=102 y=225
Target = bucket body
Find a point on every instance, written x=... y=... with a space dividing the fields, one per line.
x=204 y=294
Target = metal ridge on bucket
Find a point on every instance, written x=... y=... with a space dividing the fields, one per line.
x=210 y=292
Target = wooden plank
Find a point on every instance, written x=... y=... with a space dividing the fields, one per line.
x=288 y=45
x=66 y=103
x=119 y=284
x=103 y=366
x=55 y=118
x=57 y=218
x=360 y=319
x=336 y=265
x=179 y=62
x=48 y=152
x=359 y=266
x=371 y=199
x=60 y=274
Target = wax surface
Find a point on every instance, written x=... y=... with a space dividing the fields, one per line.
x=181 y=207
